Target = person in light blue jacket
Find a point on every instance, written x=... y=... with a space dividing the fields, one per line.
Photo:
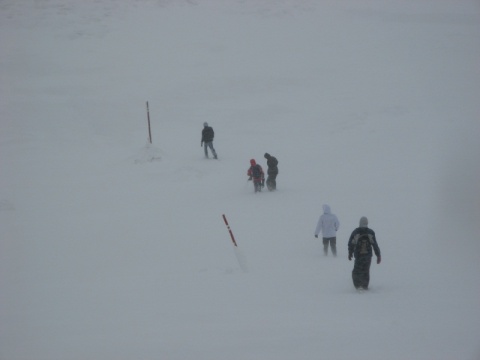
x=328 y=225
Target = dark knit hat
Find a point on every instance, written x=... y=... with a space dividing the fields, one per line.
x=266 y=156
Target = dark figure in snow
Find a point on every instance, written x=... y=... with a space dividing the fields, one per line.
x=272 y=171
x=207 y=140
x=328 y=225
x=360 y=246
x=255 y=173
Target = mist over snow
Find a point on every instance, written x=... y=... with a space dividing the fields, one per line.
x=115 y=249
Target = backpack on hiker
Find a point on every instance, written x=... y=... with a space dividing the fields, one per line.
x=363 y=243
x=257 y=172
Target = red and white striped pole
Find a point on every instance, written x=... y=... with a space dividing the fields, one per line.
x=229 y=230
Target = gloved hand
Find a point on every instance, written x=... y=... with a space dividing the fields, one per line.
x=250 y=178
x=316 y=236
x=201 y=144
x=379 y=259
x=350 y=257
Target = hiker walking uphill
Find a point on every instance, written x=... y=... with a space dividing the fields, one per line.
x=272 y=171
x=255 y=173
x=360 y=245
x=328 y=225
x=207 y=140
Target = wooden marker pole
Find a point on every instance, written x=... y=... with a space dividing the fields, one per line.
x=149 y=128
x=229 y=230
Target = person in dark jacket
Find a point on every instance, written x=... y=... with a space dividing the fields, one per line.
x=360 y=245
x=272 y=171
x=255 y=173
x=207 y=140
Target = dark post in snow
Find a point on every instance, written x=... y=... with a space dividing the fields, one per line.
x=229 y=230
x=149 y=128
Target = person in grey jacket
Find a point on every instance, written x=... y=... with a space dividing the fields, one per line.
x=328 y=225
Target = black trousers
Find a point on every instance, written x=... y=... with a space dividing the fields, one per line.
x=333 y=245
x=361 y=272
x=271 y=182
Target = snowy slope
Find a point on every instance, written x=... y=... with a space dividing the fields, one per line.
x=369 y=106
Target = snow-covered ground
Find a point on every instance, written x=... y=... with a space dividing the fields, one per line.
x=112 y=249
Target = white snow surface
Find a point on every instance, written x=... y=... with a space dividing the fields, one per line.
x=114 y=249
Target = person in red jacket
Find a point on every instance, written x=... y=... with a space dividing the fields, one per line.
x=255 y=173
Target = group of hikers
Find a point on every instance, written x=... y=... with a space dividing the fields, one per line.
x=361 y=245
x=362 y=242
x=255 y=171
